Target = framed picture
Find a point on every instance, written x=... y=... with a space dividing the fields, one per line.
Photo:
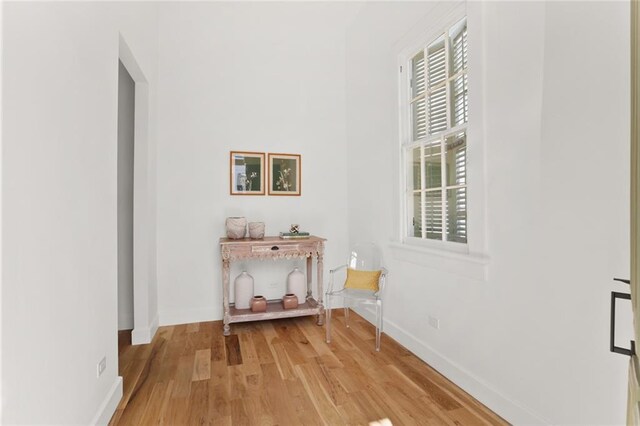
x=247 y=173
x=284 y=174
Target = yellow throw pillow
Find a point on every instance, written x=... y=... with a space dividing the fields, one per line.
x=362 y=280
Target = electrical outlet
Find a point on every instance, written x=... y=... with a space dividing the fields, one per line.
x=434 y=322
x=102 y=365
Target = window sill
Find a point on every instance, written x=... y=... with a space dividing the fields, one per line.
x=468 y=265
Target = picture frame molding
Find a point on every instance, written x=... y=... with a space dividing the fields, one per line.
x=298 y=175
x=263 y=173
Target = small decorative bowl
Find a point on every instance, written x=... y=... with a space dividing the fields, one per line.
x=236 y=227
x=290 y=301
x=258 y=304
x=256 y=230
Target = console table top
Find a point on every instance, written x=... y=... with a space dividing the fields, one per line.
x=271 y=240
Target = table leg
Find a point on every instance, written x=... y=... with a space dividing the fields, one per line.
x=309 y=276
x=225 y=296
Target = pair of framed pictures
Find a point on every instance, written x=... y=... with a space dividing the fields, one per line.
x=247 y=173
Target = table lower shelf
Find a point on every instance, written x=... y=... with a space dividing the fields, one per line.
x=275 y=310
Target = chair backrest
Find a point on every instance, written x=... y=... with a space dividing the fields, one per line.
x=365 y=257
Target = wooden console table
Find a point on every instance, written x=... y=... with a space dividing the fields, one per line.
x=272 y=248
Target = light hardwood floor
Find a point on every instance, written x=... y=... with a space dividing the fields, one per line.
x=283 y=372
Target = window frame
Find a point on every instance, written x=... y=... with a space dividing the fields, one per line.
x=407 y=144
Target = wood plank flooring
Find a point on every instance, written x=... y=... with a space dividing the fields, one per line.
x=282 y=372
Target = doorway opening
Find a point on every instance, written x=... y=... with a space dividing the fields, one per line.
x=126 y=132
x=136 y=309
x=142 y=242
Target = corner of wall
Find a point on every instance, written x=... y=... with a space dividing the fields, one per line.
x=109 y=405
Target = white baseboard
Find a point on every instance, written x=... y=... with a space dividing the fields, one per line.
x=144 y=335
x=154 y=327
x=109 y=405
x=188 y=316
x=512 y=411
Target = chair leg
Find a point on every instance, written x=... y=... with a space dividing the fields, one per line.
x=327 y=310
x=346 y=314
x=378 y=324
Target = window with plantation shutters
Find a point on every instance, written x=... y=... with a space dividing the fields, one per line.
x=435 y=148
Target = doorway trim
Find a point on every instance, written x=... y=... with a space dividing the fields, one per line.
x=145 y=322
x=633 y=395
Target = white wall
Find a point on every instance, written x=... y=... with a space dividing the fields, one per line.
x=549 y=152
x=265 y=77
x=126 y=103
x=59 y=301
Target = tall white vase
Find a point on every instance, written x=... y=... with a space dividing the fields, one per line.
x=243 y=290
x=297 y=285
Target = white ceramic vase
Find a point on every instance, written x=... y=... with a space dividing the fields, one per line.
x=243 y=290
x=236 y=227
x=297 y=285
x=256 y=230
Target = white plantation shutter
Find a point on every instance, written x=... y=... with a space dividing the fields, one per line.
x=418 y=87
x=436 y=150
x=437 y=110
x=437 y=64
x=433 y=214
x=457 y=196
x=437 y=92
x=419 y=109
x=460 y=103
x=457 y=218
x=460 y=85
x=419 y=80
x=460 y=49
